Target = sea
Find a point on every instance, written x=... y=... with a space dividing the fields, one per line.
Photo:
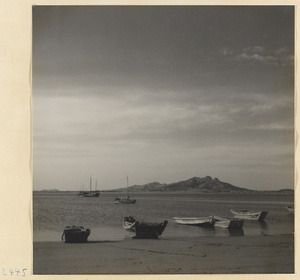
x=53 y=211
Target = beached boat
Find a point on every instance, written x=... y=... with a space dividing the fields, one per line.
x=129 y=223
x=75 y=234
x=127 y=200
x=290 y=209
x=196 y=221
x=144 y=229
x=228 y=223
x=91 y=193
x=246 y=215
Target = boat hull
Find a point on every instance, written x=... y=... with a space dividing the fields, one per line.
x=75 y=234
x=290 y=209
x=245 y=215
x=92 y=194
x=129 y=200
x=196 y=221
x=228 y=223
x=149 y=230
x=143 y=229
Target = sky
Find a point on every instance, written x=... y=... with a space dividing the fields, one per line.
x=163 y=94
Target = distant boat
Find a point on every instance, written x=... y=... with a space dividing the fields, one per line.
x=144 y=229
x=228 y=223
x=91 y=193
x=196 y=221
x=246 y=215
x=75 y=234
x=291 y=209
x=127 y=200
x=82 y=192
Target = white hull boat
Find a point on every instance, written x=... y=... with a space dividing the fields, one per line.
x=228 y=223
x=290 y=209
x=196 y=221
x=246 y=215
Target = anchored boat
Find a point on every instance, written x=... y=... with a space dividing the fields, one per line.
x=127 y=200
x=91 y=193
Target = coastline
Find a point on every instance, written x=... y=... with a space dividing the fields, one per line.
x=203 y=255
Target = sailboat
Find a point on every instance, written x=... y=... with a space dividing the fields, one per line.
x=91 y=193
x=82 y=191
x=128 y=200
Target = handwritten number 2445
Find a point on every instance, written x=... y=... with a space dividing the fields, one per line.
x=16 y=271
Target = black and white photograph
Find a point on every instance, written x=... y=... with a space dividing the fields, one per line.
x=163 y=139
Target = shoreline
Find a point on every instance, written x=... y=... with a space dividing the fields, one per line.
x=202 y=255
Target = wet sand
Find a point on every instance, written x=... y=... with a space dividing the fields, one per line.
x=204 y=255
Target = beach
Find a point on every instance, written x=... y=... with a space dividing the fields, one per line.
x=260 y=247
x=205 y=255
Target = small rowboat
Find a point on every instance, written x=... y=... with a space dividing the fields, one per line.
x=144 y=229
x=196 y=221
x=228 y=223
x=127 y=200
x=75 y=234
x=291 y=209
x=246 y=215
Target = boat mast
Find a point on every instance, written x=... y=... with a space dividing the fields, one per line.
x=127 y=187
x=90 y=183
x=96 y=186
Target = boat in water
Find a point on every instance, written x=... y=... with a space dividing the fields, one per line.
x=75 y=234
x=144 y=229
x=228 y=223
x=126 y=200
x=246 y=215
x=196 y=221
x=290 y=209
x=91 y=193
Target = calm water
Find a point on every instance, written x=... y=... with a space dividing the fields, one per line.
x=53 y=211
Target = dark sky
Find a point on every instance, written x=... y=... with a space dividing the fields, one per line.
x=163 y=93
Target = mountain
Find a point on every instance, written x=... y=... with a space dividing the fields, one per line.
x=195 y=184
x=50 y=190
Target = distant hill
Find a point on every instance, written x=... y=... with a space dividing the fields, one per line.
x=286 y=191
x=50 y=190
x=195 y=184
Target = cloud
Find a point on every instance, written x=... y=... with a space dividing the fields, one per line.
x=280 y=56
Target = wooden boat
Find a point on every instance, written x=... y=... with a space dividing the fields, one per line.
x=144 y=229
x=291 y=209
x=129 y=223
x=228 y=223
x=127 y=200
x=246 y=215
x=91 y=193
x=75 y=234
x=196 y=221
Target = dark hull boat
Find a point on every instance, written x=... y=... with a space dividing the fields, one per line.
x=127 y=200
x=75 y=234
x=143 y=229
x=92 y=194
